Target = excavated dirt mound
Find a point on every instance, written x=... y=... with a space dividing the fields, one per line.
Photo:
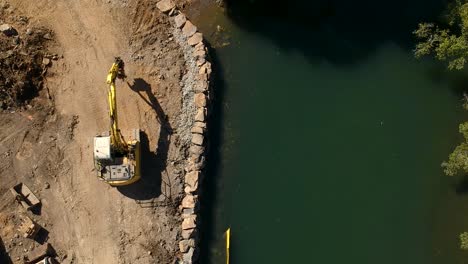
x=23 y=61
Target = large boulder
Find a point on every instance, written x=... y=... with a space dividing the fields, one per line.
x=180 y=20
x=191 y=179
x=195 y=39
x=165 y=5
x=189 y=29
x=205 y=68
x=199 y=53
x=197 y=139
x=188 y=257
x=200 y=124
x=188 y=201
x=200 y=86
x=189 y=223
x=197 y=130
x=200 y=100
x=195 y=149
x=184 y=246
x=189 y=233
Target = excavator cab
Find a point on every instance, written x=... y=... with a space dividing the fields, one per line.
x=117 y=161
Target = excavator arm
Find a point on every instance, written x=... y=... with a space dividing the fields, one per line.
x=117 y=141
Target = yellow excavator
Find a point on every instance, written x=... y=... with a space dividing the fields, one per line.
x=117 y=161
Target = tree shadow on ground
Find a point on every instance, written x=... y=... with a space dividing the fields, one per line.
x=208 y=193
x=153 y=164
x=4 y=258
x=341 y=32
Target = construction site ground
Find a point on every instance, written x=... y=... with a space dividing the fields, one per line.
x=46 y=139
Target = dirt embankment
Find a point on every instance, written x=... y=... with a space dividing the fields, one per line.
x=46 y=140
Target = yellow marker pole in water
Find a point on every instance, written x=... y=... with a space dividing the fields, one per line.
x=228 y=241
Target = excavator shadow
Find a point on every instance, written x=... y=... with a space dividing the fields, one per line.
x=4 y=258
x=148 y=191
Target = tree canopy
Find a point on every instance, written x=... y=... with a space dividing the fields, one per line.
x=447 y=41
x=458 y=159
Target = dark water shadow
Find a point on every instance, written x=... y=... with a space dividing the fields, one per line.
x=153 y=164
x=4 y=257
x=461 y=187
x=208 y=193
x=341 y=32
x=457 y=80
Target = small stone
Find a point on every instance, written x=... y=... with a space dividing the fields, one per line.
x=197 y=139
x=46 y=185
x=150 y=253
x=17 y=236
x=188 y=201
x=16 y=40
x=165 y=5
x=172 y=11
x=8 y=30
x=189 y=29
x=200 y=116
x=195 y=39
x=29 y=31
x=188 y=223
x=200 y=100
x=180 y=20
x=47 y=36
x=46 y=61
x=23 y=19
x=191 y=179
x=197 y=130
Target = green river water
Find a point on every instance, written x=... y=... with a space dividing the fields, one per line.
x=327 y=136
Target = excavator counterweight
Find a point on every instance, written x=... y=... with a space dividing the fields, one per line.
x=117 y=161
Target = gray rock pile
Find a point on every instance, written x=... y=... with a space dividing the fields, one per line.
x=198 y=97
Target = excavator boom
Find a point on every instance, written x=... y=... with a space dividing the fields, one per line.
x=117 y=141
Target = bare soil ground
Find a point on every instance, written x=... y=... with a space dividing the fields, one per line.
x=46 y=129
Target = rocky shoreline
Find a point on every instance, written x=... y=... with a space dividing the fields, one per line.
x=196 y=96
